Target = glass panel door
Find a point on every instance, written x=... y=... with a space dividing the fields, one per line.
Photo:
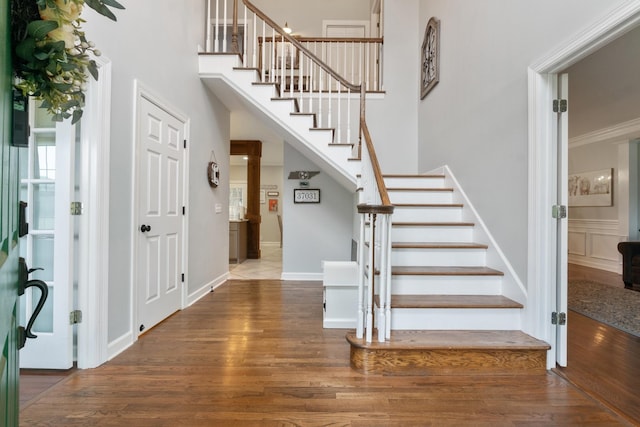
x=46 y=171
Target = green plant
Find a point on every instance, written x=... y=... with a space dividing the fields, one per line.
x=52 y=56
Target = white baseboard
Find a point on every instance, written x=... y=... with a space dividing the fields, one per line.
x=339 y=323
x=305 y=277
x=271 y=244
x=119 y=345
x=206 y=288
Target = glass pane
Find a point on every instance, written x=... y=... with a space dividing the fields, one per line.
x=42 y=256
x=43 y=118
x=44 y=321
x=23 y=247
x=23 y=165
x=23 y=193
x=44 y=159
x=43 y=206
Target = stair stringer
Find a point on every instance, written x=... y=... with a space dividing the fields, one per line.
x=512 y=286
x=219 y=74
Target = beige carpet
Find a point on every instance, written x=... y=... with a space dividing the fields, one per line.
x=617 y=307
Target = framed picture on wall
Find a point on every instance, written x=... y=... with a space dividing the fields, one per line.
x=593 y=188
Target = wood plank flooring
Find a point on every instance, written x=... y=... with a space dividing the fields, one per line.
x=602 y=360
x=255 y=353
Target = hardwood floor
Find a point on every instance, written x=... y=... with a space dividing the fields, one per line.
x=255 y=353
x=602 y=360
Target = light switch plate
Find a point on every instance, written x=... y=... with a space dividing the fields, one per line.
x=218 y=208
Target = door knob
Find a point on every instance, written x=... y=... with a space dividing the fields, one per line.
x=145 y=228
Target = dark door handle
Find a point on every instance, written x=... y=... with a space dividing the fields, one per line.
x=145 y=228
x=24 y=271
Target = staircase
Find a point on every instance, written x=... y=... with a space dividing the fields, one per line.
x=456 y=305
x=448 y=308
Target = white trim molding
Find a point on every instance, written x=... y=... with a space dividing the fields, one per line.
x=593 y=243
x=543 y=171
x=206 y=289
x=622 y=132
x=93 y=257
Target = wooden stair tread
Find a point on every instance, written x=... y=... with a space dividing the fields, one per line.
x=444 y=271
x=438 y=245
x=428 y=205
x=457 y=339
x=451 y=301
x=432 y=224
x=423 y=189
x=411 y=176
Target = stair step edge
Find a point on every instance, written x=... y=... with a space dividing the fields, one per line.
x=454 y=340
x=452 y=301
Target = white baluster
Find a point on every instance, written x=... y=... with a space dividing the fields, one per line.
x=362 y=59
x=329 y=86
x=254 y=41
x=292 y=69
x=376 y=69
x=272 y=73
x=301 y=79
x=311 y=84
x=349 y=116
x=361 y=277
x=388 y=278
x=245 y=60
x=368 y=63
x=371 y=281
x=224 y=28
x=283 y=54
x=216 y=46
x=207 y=42
x=384 y=254
x=263 y=52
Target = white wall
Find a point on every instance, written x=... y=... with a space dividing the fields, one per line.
x=475 y=119
x=314 y=232
x=155 y=41
x=305 y=17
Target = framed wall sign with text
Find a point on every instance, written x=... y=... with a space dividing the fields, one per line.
x=306 y=195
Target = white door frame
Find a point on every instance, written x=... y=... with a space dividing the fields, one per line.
x=542 y=159
x=93 y=257
x=140 y=92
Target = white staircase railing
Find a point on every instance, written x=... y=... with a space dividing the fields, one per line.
x=320 y=90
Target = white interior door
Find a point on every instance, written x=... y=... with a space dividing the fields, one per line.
x=351 y=60
x=46 y=184
x=562 y=223
x=160 y=215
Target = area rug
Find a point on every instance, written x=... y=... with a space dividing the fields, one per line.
x=617 y=307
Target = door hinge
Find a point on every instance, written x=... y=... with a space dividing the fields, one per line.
x=184 y=210
x=558 y=318
x=559 y=211
x=559 y=105
x=75 y=317
x=182 y=277
x=185 y=143
x=76 y=208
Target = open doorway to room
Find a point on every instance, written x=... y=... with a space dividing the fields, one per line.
x=601 y=159
x=256 y=185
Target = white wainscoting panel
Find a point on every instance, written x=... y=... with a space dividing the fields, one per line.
x=593 y=243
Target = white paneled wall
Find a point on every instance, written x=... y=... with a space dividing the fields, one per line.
x=593 y=243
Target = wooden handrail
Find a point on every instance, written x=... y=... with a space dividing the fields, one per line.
x=382 y=188
x=299 y=46
x=331 y=39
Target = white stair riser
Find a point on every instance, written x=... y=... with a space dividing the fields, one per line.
x=438 y=257
x=446 y=285
x=432 y=234
x=414 y=182
x=426 y=197
x=456 y=319
x=439 y=214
